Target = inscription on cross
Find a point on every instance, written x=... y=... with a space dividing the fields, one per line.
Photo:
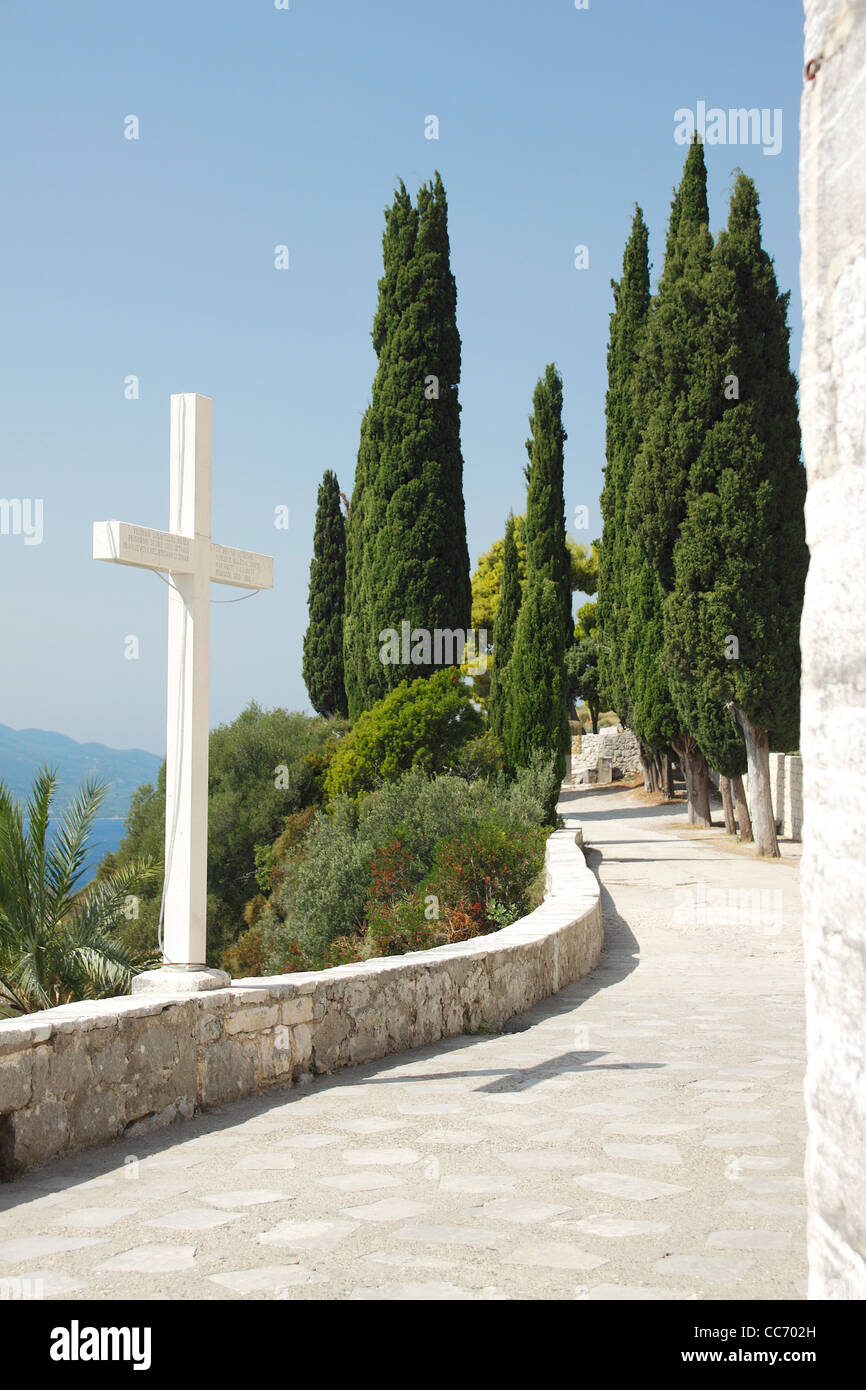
x=192 y=561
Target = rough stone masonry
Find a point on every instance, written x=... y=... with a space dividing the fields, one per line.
x=833 y=390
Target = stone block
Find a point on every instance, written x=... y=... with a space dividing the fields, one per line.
x=297 y=1010
x=38 y=1134
x=302 y=1045
x=16 y=1036
x=275 y=1053
x=109 y=1064
x=69 y=1066
x=209 y=1028
x=16 y=1081
x=152 y=1045
x=227 y=1070
x=95 y=1117
x=329 y=1036
x=251 y=1020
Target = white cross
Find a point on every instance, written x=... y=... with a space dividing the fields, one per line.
x=192 y=561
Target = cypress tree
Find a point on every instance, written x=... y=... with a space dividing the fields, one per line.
x=398 y=240
x=354 y=666
x=503 y=631
x=627 y=329
x=677 y=402
x=414 y=562
x=732 y=621
x=323 y=641
x=537 y=708
x=537 y=702
x=546 y=548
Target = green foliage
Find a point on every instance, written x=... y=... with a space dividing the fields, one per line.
x=582 y=665
x=263 y=766
x=59 y=943
x=323 y=642
x=510 y=596
x=423 y=723
x=536 y=707
x=537 y=711
x=674 y=400
x=356 y=885
x=488 y=576
x=407 y=558
x=740 y=561
x=627 y=329
x=677 y=391
x=354 y=664
x=583 y=566
x=481 y=757
x=546 y=550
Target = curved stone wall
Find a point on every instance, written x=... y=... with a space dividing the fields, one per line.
x=87 y=1073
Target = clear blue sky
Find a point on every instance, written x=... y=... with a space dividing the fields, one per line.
x=259 y=127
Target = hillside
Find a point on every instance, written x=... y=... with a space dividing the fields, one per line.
x=24 y=751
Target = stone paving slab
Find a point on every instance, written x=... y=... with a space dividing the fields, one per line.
x=639 y=1136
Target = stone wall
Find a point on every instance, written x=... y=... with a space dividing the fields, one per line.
x=786 y=785
x=833 y=394
x=87 y=1073
x=621 y=748
x=786 y=790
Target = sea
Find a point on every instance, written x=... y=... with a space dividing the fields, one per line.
x=105 y=838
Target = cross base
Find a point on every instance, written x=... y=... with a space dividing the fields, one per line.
x=180 y=979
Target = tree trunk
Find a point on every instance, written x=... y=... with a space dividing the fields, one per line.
x=741 y=807
x=667 y=776
x=758 y=754
x=728 y=805
x=648 y=768
x=697 y=775
x=593 y=714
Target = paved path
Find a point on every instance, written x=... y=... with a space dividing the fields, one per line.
x=640 y=1135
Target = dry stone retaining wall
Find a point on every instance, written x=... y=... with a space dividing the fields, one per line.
x=87 y=1073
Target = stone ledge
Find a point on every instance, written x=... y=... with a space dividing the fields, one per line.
x=86 y=1073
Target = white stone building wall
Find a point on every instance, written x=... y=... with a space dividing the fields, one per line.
x=833 y=735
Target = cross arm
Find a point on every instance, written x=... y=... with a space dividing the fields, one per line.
x=146 y=548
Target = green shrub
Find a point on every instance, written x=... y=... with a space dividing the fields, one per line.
x=421 y=724
x=359 y=883
x=265 y=766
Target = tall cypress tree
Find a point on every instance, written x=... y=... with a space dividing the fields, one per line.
x=414 y=562
x=354 y=666
x=323 y=642
x=627 y=330
x=732 y=621
x=503 y=631
x=398 y=241
x=546 y=548
x=677 y=402
x=537 y=703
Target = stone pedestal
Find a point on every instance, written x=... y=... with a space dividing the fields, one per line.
x=180 y=979
x=604 y=771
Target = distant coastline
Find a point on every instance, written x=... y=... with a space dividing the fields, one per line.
x=24 y=751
